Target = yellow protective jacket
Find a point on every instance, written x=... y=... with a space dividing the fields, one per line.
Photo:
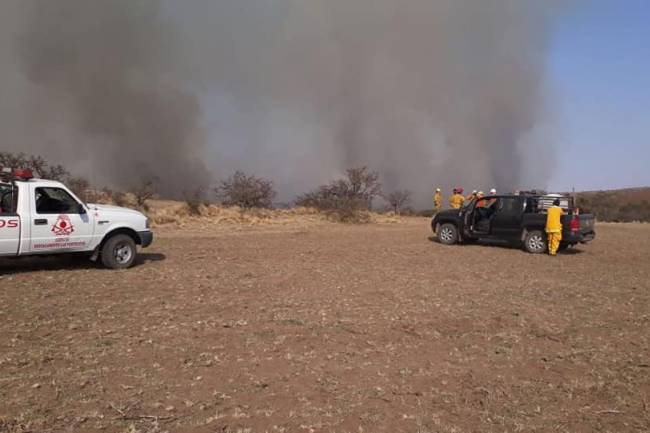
x=456 y=201
x=554 y=220
x=437 y=200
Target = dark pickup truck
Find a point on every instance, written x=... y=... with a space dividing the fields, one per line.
x=516 y=219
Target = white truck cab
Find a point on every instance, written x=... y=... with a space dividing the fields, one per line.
x=44 y=217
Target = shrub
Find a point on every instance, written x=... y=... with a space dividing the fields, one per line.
x=120 y=199
x=79 y=187
x=37 y=164
x=245 y=191
x=348 y=199
x=44 y=170
x=194 y=200
x=399 y=201
x=144 y=190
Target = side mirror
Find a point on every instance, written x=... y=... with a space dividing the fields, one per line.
x=81 y=209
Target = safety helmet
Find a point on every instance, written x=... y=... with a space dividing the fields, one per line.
x=437 y=189
x=493 y=191
x=474 y=192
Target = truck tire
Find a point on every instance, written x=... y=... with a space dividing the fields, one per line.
x=535 y=242
x=119 y=252
x=447 y=234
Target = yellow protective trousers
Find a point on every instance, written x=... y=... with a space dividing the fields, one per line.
x=554 y=239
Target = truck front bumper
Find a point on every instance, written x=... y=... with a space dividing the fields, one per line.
x=146 y=238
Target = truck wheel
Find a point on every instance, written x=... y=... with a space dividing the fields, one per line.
x=447 y=234
x=535 y=242
x=119 y=252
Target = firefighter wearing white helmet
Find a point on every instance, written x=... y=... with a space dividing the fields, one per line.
x=490 y=202
x=437 y=200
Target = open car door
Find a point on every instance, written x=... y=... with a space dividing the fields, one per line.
x=480 y=222
x=468 y=218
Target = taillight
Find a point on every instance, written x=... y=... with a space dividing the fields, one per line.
x=575 y=223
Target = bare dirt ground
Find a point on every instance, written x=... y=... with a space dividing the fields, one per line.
x=330 y=328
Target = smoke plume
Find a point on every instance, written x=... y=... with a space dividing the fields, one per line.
x=427 y=92
x=103 y=72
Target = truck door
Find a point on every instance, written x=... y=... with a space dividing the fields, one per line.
x=9 y=221
x=506 y=222
x=468 y=217
x=59 y=222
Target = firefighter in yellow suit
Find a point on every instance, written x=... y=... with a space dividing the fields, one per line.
x=437 y=200
x=456 y=201
x=554 y=227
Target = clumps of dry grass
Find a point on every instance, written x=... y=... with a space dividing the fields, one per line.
x=196 y=211
x=163 y=212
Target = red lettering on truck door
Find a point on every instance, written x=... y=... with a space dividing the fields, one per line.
x=10 y=224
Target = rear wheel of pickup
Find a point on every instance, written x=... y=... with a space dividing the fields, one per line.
x=535 y=242
x=447 y=234
x=119 y=252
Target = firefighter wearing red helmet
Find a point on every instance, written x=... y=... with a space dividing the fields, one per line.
x=456 y=201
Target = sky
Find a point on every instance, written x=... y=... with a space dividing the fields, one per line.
x=599 y=71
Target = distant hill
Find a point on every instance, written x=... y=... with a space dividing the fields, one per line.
x=623 y=205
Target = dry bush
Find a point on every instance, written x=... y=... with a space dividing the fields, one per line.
x=399 y=201
x=195 y=200
x=118 y=198
x=79 y=187
x=345 y=200
x=103 y=196
x=144 y=190
x=245 y=191
x=36 y=163
x=44 y=170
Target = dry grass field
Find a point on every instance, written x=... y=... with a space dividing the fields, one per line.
x=322 y=327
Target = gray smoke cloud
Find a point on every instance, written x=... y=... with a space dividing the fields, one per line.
x=104 y=91
x=426 y=92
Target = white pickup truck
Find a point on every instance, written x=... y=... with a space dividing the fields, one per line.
x=44 y=217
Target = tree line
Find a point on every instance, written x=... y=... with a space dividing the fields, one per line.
x=607 y=206
x=346 y=199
